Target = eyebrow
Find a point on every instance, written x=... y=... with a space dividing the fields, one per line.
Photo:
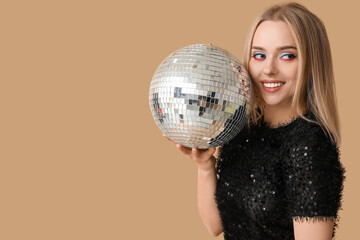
x=279 y=48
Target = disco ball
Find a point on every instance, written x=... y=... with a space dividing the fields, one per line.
x=200 y=96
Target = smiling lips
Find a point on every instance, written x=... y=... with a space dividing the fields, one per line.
x=271 y=86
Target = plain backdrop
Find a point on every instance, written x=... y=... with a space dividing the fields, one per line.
x=80 y=154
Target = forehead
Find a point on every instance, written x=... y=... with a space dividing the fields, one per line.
x=273 y=34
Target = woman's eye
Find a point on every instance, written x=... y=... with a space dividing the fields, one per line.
x=287 y=56
x=259 y=56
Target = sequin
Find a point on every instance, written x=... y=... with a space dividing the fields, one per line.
x=294 y=173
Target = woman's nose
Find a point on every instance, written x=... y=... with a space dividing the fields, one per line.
x=270 y=66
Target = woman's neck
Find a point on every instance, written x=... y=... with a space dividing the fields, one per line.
x=275 y=115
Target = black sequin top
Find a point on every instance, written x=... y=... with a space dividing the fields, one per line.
x=269 y=176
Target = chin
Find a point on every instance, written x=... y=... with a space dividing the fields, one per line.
x=271 y=101
x=276 y=102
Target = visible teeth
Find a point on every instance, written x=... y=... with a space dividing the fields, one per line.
x=271 y=85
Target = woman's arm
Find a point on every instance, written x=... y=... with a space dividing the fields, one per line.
x=206 y=201
x=207 y=206
x=313 y=183
x=308 y=230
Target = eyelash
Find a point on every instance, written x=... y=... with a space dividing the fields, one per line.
x=258 y=53
x=292 y=56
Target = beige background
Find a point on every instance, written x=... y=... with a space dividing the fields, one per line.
x=80 y=155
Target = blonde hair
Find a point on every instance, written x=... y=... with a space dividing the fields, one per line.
x=315 y=85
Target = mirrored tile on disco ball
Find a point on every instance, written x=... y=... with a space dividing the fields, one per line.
x=201 y=87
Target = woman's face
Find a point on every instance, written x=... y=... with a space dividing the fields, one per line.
x=274 y=63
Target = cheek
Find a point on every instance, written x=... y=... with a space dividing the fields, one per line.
x=254 y=70
x=291 y=71
x=292 y=77
x=294 y=71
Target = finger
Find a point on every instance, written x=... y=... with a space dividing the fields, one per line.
x=183 y=149
x=198 y=154
x=195 y=152
x=168 y=138
x=211 y=151
x=206 y=152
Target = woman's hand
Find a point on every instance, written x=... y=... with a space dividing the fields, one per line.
x=203 y=158
x=207 y=206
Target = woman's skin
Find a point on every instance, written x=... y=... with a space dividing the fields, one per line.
x=274 y=59
x=207 y=206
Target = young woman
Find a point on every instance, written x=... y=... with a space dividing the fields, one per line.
x=280 y=177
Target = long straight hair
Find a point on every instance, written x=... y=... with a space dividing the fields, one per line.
x=315 y=85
